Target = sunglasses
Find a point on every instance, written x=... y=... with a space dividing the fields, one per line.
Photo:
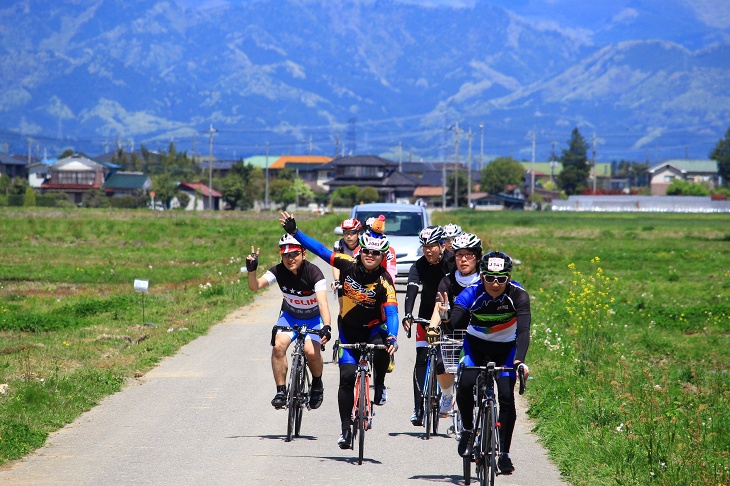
x=374 y=253
x=350 y=233
x=500 y=279
x=292 y=254
x=468 y=256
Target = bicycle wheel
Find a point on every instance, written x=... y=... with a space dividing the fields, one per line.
x=303 y=394
x=427 y=399
x=292 y=405
x=436 y=411
x=493 y=443
x=467 y=469
x=362 y=409
x=483 y=449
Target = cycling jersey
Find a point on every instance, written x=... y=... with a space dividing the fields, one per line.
x=503 y=319
x=424 y=273
x=369 y=298
x=452 y=287
x=298 y=290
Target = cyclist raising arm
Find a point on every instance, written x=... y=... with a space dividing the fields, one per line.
x=496 y=315
x=347 y=244
x=369 y=313
x=305 y=301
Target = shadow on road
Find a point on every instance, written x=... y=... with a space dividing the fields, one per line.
x=438 y=478
x=277 y=437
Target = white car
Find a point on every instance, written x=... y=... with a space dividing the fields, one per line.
x=403 y=223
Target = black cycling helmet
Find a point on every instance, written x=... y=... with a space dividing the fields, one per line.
x=431 y=234
x=496 y=263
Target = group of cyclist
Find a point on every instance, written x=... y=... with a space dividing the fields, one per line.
x=461 y=287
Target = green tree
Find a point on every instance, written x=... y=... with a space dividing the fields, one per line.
x=243 y=185
x=500 y=173
x=5 y=184
x=345 y=196
x=680 y=187
x=463 y=190
x=368 y=194
x=573 y=178
x=721 y=154
x=29 y=197
x=164 y=186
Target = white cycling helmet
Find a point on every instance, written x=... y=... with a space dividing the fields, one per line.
x=466 y=241
x=452 y=230
x=373 y=241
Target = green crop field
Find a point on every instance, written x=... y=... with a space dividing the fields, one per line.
x=630 y=332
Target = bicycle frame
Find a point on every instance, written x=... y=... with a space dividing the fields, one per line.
x=485 y=442
x=362 y=409
x=297 y=394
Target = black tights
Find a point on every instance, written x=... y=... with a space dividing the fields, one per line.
x=505 y=396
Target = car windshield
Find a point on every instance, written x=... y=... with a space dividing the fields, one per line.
x=396 y=223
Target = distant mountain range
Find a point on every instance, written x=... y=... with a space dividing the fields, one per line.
x=394 y=78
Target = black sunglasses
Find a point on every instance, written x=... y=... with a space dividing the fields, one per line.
x=374 y=253
x=500 y=279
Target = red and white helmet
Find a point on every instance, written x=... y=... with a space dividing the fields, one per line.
x=351 y=224
x=288 y=243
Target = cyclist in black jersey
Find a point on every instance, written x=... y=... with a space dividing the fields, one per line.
x=467 y=250
x=369 y=313
x=428 y=272
x=305 y=301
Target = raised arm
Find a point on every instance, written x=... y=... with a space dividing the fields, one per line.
x=252 y=263
x=290 y=226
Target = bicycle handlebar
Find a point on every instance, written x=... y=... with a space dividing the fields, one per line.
x=498 y=369
x=363 y=346
x=303 y=329
x=416 y=320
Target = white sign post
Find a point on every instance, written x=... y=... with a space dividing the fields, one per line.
x=141 y=286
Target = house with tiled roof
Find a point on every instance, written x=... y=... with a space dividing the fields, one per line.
x=127 y=184
x=308 y=167
x=12 y=166
x=662 y=175
x=75 y=176
x=200 y=195
x=373 y=171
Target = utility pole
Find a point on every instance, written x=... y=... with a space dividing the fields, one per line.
x=400 y=156
x=443 y=186
x=310 y=145
x=595 y=172
x=211 y=131
x=481 y=147
x=553 y=164
x=456 y=165
x=532 y=184
x=266 y=193
x=468 y=186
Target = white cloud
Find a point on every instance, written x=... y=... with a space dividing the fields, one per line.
x=714 y=13
x=58 y=109
x=625 y=16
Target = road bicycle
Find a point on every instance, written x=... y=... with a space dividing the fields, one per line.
x=362 y=409
x=430 y=389
x=485 y=443
x=297 y=392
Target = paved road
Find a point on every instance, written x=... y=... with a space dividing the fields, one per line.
x=203 y=417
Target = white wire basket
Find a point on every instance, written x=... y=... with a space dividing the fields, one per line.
x=451 y=349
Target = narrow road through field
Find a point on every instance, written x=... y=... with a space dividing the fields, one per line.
x=203 y=417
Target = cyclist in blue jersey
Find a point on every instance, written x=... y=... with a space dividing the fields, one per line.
x=496 y=315
x=369 y=313
x=305 y=301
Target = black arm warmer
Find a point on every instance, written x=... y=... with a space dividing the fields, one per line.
x=523 y=336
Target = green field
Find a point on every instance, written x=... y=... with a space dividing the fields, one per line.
x=630 y=334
